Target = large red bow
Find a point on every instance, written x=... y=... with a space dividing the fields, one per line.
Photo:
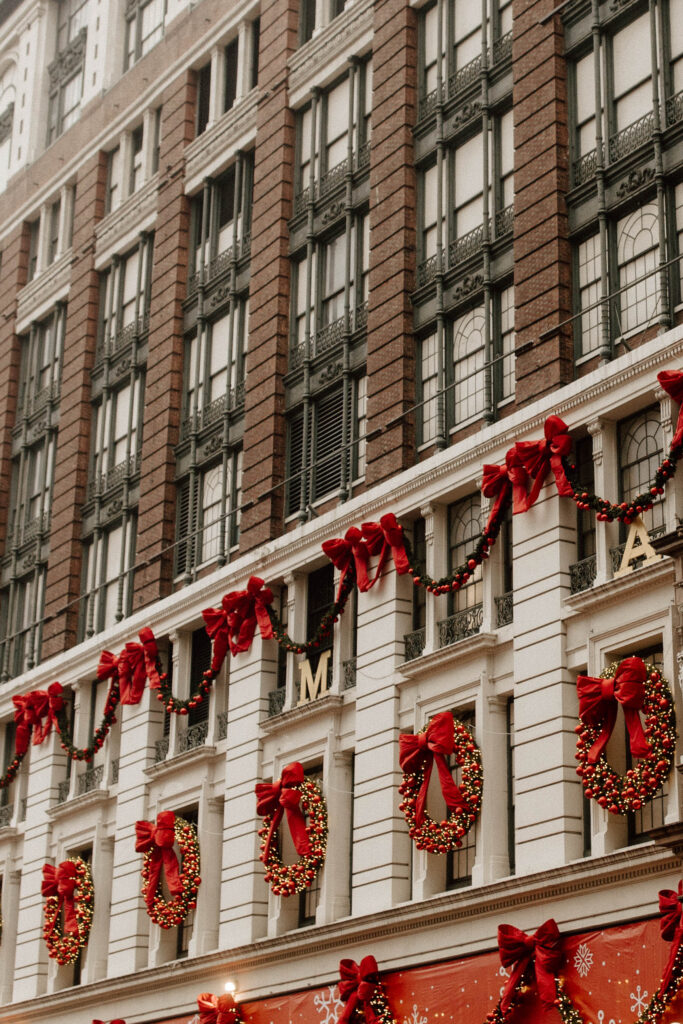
x=418 y=753
x=599 y=700
x=357 y=985
x=539 y=457
x=672 y=382
x=61 y=882
x=158 y=839
x=517 y=949
x=277 y=797
x=108 y=667
x=499 y=481
x=671 y=927
x=343 y=552
x=36 y=711
x=384 y=538
x=233 y=624
x=132 y=672
x=217 y=1009
x=149 y=645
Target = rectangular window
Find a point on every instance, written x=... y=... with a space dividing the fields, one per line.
x=676 y=46
x=113 y=198
x=136 y=141
x=327 y=443
x=53 y=238
x=429 y=384
x=116 y=428
x=589 y=275
x=459 y=863
x=637 y=250
x=72 y=16
x=585 y=518
x=107 y=568
x=203 y=98
x=145 y=27
x=631 y=73
x=306 y=19
x=505 y=383
x=124 y=296
x=468 y=365
x=33 y=243
x=360 y=426
x=231 y=69
x=640 y=449
x=584 y=105
x=468 y=178
x=464 y=529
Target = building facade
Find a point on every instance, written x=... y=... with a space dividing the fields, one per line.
x=269 y=271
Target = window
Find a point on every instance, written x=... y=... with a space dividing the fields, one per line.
x=184 y=930
x=136 y=140
x=144 y=28
x=224 y=233
x=124 y=296
x=651 y=815
x=108 y=577
x=66 y=73
x=637 y=250
x=116 y=426
x=459 y=863
x=465 y=605
x=6 y=128
x=203 y=98
x=33 y=244
x=208 y=515
x=215 y=365
x=200 y=662
x=310 y=897
x=231 y=65
x=113 y=198
x=640 y=453
x=53 y=228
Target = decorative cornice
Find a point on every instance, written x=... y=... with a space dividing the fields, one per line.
x=342 y=36
x=619 y=590
x=136 y=214
x=68 y=61
x=232 y=131
x=44 y=291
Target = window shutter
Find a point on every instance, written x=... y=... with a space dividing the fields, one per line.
x=184 y=527
x=328 y=444
x=295 y=451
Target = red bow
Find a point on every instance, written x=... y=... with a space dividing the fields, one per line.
x=36 y=711
x=385 y=537
x=343 y=552
x=233 y=624
x=108 y=667
x=158 y=839
x=61 y=882
x=539 y=457
x=357 y=985
x=217 y=1009
x=517 y=949
x=599 y=700
x=672 y=382
x=499 y=481
x=132 y=673
x=418 y=753
x=277 y=797
x=671 y=927
x=151 y=652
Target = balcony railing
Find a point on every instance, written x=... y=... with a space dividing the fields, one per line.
x=6 y=814
x=674 y=109
x=504 y=609
x=631 y=137
x=349 y=674
x=582 y=575
x=329 y=336
x=461 y=625
x=276 y=701
x=414 y=644
x=332 y=178
x=63 y=790
x=585 y=167
x=617 y=553
x=193 y=737
x=161 y=750
x=90 y=780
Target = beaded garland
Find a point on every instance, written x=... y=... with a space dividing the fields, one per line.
x=623 y=793
x=169 y=913
x=100 y=734
x=447 y=835
x=64 y=948
x=287 y=879
x=655 y=1009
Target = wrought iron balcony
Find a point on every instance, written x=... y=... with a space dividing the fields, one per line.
x=463 y=248
x=329 y=336
x=363 y=157
x=427 y=105
x=332 y=178
x=63 y=790
x=582 y=575
x=585 y=167
x=414 y=643
x=222 y=730
x=6 y=815
x=504 y=609
x=90 y=780
x=161 y=750
x=630 y=138
x=349 y=674
x=276 y=701
x=193 y=737
x=674 y=109
x=426 y=270
x=462 y=624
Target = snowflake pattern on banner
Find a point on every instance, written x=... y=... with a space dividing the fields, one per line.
x=601 y=1018
x=329 y=1005
x=639 y=1000
x=415 y=1017
x=583 y=960
x=503 y=974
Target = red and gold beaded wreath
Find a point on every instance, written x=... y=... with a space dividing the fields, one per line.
x=183 y=880
x=69 y=905
x=301 y=800
x=443 y=737
x=639 y=688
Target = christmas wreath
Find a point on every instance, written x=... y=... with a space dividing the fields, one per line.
x=299 y=798
x=530 y=958
x=362 y=991
x=69 y=903
x=636 y=686
x=671 y=927
x=218 y=1009
x=442 y=738
x=183 y=881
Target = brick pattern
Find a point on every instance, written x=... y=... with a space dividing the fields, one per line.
x=13 y=271
x=63 y=585
x=391 y=346
x=541 y=246
x=164 y=380
x=264 y=456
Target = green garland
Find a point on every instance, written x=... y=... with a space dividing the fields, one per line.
x=325 y=625
x=100 y=734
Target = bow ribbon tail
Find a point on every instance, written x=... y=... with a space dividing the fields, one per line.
x=272 y=831
x=151 y=656
x=452 y=794
x=125 y=681
x=513 y=981
x=70 y=920
x=297 y=828
x=500 y=502
x=607 y=728
x=172 y=870
x=349 y=1009
x=393 y=532
x=263 y=619
x=564 y=488
x=422 y=795
x=217 y=628
x=638 y=743
x=245 y=633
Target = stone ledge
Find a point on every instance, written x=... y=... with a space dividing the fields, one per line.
x=428 y=662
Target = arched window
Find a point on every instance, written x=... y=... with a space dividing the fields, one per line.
x=640 y=452
x=468 y=364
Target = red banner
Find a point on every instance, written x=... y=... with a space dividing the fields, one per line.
x=610 y=976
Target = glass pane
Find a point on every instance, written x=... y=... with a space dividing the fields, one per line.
x=429 y=377
x=637 y=243
x=468 y=364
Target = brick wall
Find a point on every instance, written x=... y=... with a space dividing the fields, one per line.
x=12 y=277
x=541 y=246
x=264 y=455
x=391 y=348
x=163 y=387
x=63 y=584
